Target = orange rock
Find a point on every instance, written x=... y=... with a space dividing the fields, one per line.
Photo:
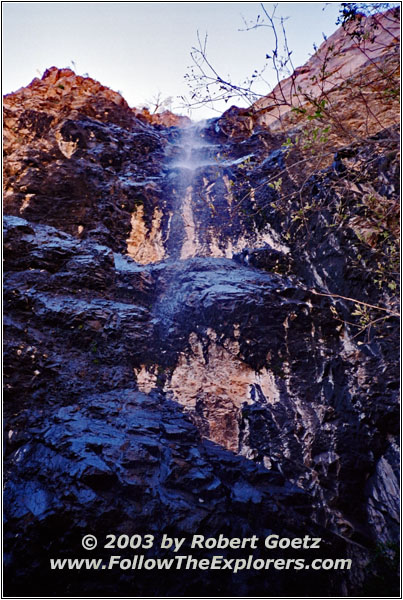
x=351 y=73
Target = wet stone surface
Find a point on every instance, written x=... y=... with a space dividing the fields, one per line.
x=170 y=365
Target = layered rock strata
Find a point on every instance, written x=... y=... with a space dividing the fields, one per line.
x=190 y=345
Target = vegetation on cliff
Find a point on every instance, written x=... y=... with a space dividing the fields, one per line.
x=344 y=99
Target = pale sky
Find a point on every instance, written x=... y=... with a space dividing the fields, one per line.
x=143 y=48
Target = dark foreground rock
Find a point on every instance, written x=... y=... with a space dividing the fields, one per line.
x=129 y=463
x=87 y=452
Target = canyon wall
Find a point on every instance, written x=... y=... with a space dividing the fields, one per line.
x=197 y=341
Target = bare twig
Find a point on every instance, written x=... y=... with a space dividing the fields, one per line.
x=390 y=312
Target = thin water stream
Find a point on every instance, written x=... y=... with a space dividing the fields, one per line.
x=197 y=212
x=205 y=220
x=188 y=170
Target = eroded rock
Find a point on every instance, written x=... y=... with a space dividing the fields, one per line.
x=182 y=352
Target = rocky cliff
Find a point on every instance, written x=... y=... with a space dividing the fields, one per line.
x=349 y=89
x=197 y=342
x=360 y=58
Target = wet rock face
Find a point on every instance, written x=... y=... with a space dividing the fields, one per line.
x=135 y=460
x=181 y=351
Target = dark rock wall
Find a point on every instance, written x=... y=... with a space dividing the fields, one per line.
x=185 y=350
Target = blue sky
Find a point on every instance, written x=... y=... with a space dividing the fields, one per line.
x=143 y=48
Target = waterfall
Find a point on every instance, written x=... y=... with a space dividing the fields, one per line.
x=205 y=220
x=196 y=211
x=194 y=155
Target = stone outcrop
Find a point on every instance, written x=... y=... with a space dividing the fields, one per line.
x=350 y=86
x=98 y=178
x=197 y=341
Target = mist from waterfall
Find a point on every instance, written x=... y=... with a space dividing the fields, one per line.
x=205 y=220
x=196 y=150
x=194 y=153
